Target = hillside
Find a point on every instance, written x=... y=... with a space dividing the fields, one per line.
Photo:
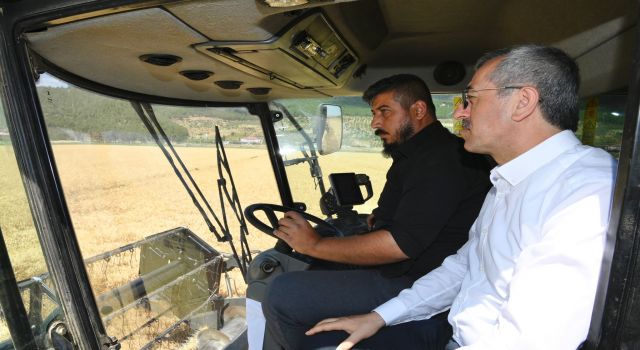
x=77 y=115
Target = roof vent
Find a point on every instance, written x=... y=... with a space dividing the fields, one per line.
x=196 y=74
x=259 y=91
x=159 y=59
x=229 y=84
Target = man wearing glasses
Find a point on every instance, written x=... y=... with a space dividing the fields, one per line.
x=527 y=277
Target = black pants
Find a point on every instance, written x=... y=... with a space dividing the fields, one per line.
x=432 y=334
x=296 y=301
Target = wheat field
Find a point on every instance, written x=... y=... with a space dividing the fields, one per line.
x=119 y=194
x=116 y=199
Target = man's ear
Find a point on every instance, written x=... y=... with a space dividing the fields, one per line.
x=528 y=100
x=418 y=110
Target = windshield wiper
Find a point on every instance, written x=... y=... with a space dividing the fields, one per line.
x=160 y=137
x=311 y=157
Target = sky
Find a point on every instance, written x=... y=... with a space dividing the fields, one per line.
x=49 y=80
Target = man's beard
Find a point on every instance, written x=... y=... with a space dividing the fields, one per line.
x=404 y=133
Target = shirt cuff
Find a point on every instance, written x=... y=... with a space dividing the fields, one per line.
x=391 y=311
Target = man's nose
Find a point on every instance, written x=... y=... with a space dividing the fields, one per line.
x=375 y=121
x=460 y=112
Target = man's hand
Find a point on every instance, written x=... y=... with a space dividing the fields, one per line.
x=297 y=232
x=359 y=327
x=374 y=248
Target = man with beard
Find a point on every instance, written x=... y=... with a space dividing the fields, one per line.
x=433 y=193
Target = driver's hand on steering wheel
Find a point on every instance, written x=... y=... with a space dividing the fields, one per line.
x=297 y=232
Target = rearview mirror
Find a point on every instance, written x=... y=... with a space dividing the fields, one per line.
x=329 y=129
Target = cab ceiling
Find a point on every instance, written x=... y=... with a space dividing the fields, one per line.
x=386 y=36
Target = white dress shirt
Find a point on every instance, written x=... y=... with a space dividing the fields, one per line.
x=527 y=277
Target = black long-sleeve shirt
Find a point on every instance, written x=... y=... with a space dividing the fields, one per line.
x=432 y=196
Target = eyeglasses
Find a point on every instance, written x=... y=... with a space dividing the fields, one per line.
x=465 y=92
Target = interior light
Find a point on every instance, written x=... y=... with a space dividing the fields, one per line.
x=615 y=114
x=285 y=3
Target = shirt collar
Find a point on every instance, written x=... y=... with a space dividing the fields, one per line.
x=525 y=164
x=423 y=138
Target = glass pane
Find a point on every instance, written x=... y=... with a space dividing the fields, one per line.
x=602 y=121
x=360 y=152
x=444 y=108
x=154 y=265
x=22 y=242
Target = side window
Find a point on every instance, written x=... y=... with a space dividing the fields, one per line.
x=445 y=105
x=360 y=152
x=147 y=247
x=27 y=259
x=602 y=121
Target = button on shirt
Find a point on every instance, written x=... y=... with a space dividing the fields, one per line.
x=527 y=277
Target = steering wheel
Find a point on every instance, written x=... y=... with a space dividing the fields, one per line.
x=323 y=228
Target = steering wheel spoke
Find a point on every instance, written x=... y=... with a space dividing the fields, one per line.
x=273 y=219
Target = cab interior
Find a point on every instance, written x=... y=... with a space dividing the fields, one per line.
x=253 y=53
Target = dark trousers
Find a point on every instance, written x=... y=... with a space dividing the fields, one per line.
x=431 y=334
x=296 y=301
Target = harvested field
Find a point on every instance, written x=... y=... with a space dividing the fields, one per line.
x=120 y=194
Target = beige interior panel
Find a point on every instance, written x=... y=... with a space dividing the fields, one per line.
x=106 y=49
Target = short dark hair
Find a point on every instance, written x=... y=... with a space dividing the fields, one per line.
x=548 y=69
x=407 y=88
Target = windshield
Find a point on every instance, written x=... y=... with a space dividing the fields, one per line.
x=133 y=216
